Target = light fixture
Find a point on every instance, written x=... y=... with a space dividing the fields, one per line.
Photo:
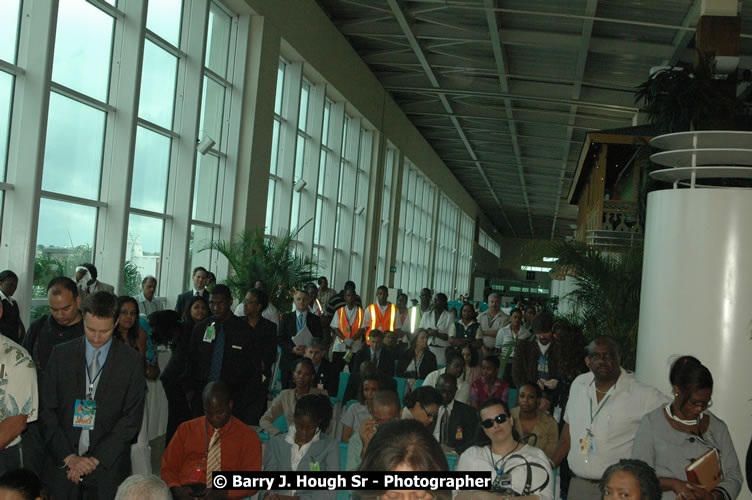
x=535 y=268
x=298 y=186
x=550 y=259
x=205 y=145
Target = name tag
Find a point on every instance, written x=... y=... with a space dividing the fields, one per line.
x=237 y=347
x=84 y=413
x=210 y=333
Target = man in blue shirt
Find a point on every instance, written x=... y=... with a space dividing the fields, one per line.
x=89 y=431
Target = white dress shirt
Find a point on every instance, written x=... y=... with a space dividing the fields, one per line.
x=506 y=336
x=437 y=345
x=613 y=424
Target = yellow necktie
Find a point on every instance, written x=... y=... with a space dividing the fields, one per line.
x=214 y=459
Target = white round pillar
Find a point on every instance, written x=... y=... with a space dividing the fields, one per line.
x=697 y=297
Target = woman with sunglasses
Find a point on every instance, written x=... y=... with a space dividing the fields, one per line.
x=516 y=468
x=684 y=429
x=422 y=405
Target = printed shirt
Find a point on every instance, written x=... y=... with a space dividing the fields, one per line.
x=18 y=383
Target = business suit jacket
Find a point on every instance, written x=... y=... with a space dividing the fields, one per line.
x=385 y=365
x=426 y=366
x=288 y=328
x=465 y=417
x=328 y=377
x=241 y=364
x=184 y=298
x=98 y=287
x=325 y=451
x=120 y=410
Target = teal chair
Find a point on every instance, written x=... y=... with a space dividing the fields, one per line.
x=344 y=378
x=350 y=403
x=343 y=456
x=512 y=398
x=401 y=385
x=281 y=423
x=451 y=460
x=418 y=383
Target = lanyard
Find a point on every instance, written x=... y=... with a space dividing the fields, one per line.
x=592 y=417
x=92 y=381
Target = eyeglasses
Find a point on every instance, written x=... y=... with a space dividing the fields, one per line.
x=429 y=415
x=605 y=356
x=498 y=419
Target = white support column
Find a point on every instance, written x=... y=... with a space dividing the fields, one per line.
x=187 y=114
x=346 y=221
x=119 y=144
x=434 y=239
x=27 y=142
x=696 y=294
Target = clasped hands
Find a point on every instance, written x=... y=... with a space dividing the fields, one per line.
x=79 y=466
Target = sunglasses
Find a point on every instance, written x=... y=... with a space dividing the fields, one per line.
x=498 y=419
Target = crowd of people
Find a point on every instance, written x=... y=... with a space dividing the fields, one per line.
x=254 y=388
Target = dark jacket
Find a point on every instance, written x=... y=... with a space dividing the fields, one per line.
x=463 y=426
x=43 y=335
x=184 y=298
x=385 y=365
x=264 y=335
x=427 y=365
x=10 y=321
x=288 y=328
x=327 y=377
x=241 y=363
x=525 y=365
x=119 y=412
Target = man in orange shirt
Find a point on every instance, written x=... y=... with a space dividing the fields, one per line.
x=215 y=442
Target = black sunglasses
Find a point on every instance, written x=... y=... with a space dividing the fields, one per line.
x=498 y=419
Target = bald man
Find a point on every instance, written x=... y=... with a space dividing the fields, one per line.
x=232 y=446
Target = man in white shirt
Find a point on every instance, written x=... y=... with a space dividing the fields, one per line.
x=491 y=321
x=147 y=302
x=603 y=413
x=455 y=365
x=437 y=323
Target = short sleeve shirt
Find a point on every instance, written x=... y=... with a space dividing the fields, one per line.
x=18 y=383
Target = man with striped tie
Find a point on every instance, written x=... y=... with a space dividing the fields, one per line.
x=205 y=445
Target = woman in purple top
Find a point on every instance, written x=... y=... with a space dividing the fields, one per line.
x=489 y=385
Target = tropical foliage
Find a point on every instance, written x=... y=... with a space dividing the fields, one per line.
x=253 y=256
x=607 y=296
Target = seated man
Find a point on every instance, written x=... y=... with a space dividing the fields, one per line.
x=456 y=423
x=386 y=407
x=326 y=376
x=187 y=467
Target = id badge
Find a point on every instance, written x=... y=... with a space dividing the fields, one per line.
x=587 y=445
x=210 y=333
x=458 y=434
x=320 y=385
x=84 y=413
x=196 y=474
x=314 y=467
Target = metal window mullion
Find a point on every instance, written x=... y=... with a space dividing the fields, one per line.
x=83 y=98
x=72 y=199
x=231 y=125
x=214 y=76
x=346 y=230
x=391 y=257
x=11 y=68
x=164 y=44
x=31 y=97
x=156 y=128
x=119 y=143
x=183 y=152
x=149 y=213
x=288 y=135
x=109 y=9
x=6 y=186
x=315 y=119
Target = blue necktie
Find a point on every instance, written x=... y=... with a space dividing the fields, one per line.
x=219 y=351
x=300 y=321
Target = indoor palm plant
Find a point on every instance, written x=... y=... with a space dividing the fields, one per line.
x=253 y=256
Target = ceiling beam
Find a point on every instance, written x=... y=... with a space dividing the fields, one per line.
x=579 y=72
x=404 y=24
x=683 y=37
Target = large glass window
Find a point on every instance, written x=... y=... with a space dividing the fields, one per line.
x=158 y=79
x=465 y=254
x=446 y=251
x=151 y=164
x=386 y=203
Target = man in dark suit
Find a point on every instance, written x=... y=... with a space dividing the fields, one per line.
x=264 y=336
x=222 y=348
x=200 y=278
x=456 y=424
x=383 y=358
x=537 y=360
x=292 y=323
x=326 y=376
x=85 y=458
